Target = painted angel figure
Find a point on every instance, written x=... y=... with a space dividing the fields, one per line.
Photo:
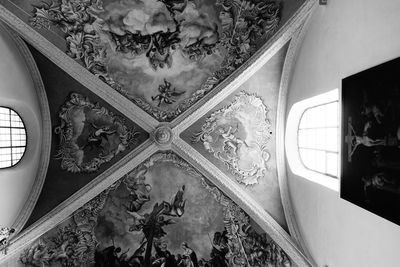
x=189 y=258
x=231 y=142
x=99 y=138
x=166 y=94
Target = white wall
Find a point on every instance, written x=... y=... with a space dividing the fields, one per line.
x=343 y=38
x=17 y=91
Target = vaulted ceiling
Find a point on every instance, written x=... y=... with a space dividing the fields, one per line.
x=166 y=119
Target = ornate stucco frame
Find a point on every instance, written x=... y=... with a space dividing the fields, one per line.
x=292 y=245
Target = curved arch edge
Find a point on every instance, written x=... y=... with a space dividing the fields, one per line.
x=291 y=56
x=45 y=149
x=243 y=200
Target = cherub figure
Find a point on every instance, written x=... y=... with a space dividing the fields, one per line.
x=166 y=94
x=231 y=143
x=99 y=137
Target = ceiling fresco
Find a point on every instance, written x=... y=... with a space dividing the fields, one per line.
x=238 y=136
x=162 y=213
x=79 y=154
x=162 y=55
x=121 y=189
x=90 y=135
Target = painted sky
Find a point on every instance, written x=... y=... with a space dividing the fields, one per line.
x=202 y=217
x=198 y=20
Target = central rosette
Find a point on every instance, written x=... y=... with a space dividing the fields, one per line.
x=163 y=135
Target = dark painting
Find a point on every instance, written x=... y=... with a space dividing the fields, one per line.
x=371 y=140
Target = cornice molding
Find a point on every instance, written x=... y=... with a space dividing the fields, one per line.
x=290 y=60
x=244 y=72
x=233 y=190
x=45 y=147
x=78 y=72
x=78 y=199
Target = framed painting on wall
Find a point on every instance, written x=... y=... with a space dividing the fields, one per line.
x=370 y=174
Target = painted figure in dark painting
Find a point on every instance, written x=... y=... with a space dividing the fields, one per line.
x=371 y=116
x=385 y=181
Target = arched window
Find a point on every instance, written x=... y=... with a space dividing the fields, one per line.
x=317 y=138
x=312 y=139
x=12 y=138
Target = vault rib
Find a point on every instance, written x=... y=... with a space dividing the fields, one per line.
x=245 y=71
x=78 y=199
x=294 y=47
x=46 y=136
x=79 y=73
x=237 y=194
x=148 y=123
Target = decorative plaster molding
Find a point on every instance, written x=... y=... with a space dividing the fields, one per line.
x=78 y=72
x=244 y=72
x=77 y=200
x=244 y=155
x=118 y=136
x=236 y=193
x=148 y=123
x=287 y=72
x=163 y=136
x=91 y=48
x=26 y=211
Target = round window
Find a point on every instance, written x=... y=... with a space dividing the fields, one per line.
x=12 y=138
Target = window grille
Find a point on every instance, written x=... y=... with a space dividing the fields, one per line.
x=317 y=138
x=12 y=138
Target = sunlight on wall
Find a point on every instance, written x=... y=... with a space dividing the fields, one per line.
x=311 y=140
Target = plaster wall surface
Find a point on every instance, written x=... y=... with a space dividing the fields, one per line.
x=17 y=91
x=343 y=38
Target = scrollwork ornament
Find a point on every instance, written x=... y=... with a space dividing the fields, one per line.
x=73 y=244
x=91 y=40
x=239 y=135
x=90 y=135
